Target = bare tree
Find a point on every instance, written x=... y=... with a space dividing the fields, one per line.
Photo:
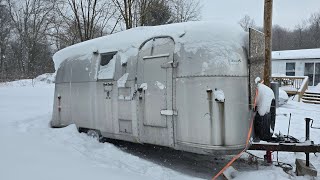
x=298 y=34
x=278 y=37
x=88 y=19
x=154 y=12
x=31 y=22
x=314 y=21
x=128 y=11
x=5 y=30
x=246 y=22
x=185 y=10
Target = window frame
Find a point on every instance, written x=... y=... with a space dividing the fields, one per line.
x=291 y=71
x=112 y=54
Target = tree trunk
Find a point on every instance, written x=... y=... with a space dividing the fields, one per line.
x=268 y=40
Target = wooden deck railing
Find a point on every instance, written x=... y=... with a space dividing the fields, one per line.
x=293 y=84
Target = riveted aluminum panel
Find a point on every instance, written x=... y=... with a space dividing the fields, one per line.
x=178 y=72
x=156 y=128
x=125 y=126
x=193 y=120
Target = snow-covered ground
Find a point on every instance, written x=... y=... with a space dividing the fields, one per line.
x=299 y=111
x=31 y=150
x=315 y=89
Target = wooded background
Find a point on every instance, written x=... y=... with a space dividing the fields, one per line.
x=31 y=31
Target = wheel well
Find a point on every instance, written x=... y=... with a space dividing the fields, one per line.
x=85 y=130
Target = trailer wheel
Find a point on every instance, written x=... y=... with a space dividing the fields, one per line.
x=94 y=134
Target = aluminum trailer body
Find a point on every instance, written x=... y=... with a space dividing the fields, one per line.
x=151 y=85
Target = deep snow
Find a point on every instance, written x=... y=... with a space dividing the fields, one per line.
x=32 y=150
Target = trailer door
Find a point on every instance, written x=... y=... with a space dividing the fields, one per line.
x=155 y=83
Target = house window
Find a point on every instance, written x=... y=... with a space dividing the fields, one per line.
x=290 y=69
x=312 y=70
x=317 y=74
x=309 y=71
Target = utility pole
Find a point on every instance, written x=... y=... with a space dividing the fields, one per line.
x=268 y=40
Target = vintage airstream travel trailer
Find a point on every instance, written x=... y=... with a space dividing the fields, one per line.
x=183 y=86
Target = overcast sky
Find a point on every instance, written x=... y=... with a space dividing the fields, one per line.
x=286 y=13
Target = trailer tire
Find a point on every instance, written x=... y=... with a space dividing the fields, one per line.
x=94 y=134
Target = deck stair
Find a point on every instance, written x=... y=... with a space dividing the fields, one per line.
x=311 y=97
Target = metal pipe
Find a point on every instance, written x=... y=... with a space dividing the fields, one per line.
x=308 y=128
x=275 y=89
x=307 y=138
x=209 y=94
x=222 y=122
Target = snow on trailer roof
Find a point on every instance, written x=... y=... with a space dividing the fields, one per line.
x=296 y=54
x=128 y=42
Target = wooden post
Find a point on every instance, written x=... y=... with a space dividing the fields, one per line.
x=268 y=40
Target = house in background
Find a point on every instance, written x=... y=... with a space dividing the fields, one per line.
x=304 y=62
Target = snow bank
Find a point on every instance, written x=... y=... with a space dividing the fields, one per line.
x=47 y=78
x=30 y=150
x=283 y=97
x=191 y=35
x=264 y=174
x=38 y=152
x=264 y=98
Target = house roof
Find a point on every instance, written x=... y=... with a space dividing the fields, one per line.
x=296 y=54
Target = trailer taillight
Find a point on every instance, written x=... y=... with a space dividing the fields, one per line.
x=59 y=103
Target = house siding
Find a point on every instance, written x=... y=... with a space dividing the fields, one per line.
x=279 y=65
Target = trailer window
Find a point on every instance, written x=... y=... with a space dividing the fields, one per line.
x=107 y=65
x=105 y=58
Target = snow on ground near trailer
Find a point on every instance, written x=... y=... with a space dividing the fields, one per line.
x=32 y=150
x=299 y=111
x=43 y=79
